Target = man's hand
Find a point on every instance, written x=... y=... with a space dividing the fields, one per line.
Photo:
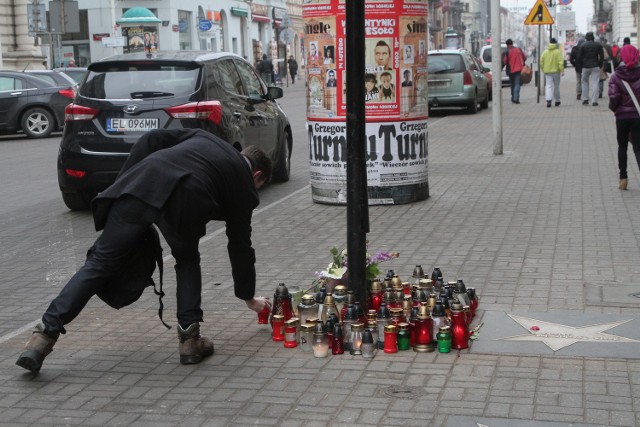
x=257 y=304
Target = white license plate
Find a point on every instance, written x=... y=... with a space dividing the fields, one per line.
x=131 y=125
x=439 y=83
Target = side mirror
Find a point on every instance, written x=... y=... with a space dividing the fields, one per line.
x=274 y=92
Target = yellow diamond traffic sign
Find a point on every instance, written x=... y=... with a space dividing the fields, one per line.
x=539 y=15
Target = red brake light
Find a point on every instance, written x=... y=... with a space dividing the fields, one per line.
x=75 y=112
x=67 y=93
x=205 y=110
x=75 y=173
x=466 y=80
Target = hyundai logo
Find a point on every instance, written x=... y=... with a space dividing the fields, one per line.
x=130 y=109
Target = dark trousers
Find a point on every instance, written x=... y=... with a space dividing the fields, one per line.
x=626 y=128
x=127 y=221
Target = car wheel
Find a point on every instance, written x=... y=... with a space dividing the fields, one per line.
x=37 y=123
x=75 y=201
x=283 y=170
x=485 y=101
x=473 y=107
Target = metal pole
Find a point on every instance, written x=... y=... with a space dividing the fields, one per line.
x=496 y=71
x=357 y=203
x=538 y=60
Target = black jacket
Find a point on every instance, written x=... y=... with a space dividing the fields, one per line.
x=590 y=54
x=193 y=177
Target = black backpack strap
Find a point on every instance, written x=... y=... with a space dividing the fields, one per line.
x=159 y=292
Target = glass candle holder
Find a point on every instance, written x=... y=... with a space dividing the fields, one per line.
x=277 y=322
x=306 y=337
x=355 y=338
x=444 y=339
x=390 y=339
x=307 y=309
x=368 y=345
x=263 y=315
x=337 y=345
x=320 y=345
x=291 y=336
x=403 y=336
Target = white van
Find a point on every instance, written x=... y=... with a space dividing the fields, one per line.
x=485 y=60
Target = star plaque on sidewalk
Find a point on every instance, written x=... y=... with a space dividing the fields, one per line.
x=557 y=336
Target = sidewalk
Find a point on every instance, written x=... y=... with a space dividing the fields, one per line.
x=542 y=232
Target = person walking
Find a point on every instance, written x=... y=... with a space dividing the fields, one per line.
x=590 y=55
x=179 y=180
x=514 y=61
x=293 y=68
x=607 y=68
x=266 y=70
x=577 y=66
x=552 y=65
x=624 y=92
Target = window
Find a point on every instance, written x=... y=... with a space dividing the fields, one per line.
x=10 y=83
x=184 y=25
x=251 y=81
x=229 y=78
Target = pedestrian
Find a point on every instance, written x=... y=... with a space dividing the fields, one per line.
x=624 y=92
x=179 y=180
x=591 y=57
x=606 y=69
x=266 y=69
x=293 y=68
x=514 y=59
x=577 y=66
x=552 y=65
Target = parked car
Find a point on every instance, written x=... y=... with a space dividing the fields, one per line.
x=485 y=60
x=76 y=73
x=456 y=79
x=126 y=95
x=31 y=105
x=58 y=78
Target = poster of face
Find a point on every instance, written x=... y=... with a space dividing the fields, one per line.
x=140 y=39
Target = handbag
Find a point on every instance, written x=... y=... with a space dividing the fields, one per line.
x=526 y=74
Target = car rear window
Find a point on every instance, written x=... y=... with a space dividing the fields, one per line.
x=444 y=64
x=131 y=80
x=486 y=54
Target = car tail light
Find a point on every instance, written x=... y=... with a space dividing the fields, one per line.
x=67 y=93
x=466 y=78
x=75 y=173
x=205 y=110
x=75 y=112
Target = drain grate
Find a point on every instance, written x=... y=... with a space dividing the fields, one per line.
x=401 y=392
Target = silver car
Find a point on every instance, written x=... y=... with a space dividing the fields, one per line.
x=456 y=79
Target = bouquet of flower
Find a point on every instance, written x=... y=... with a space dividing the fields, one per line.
x=337 y=269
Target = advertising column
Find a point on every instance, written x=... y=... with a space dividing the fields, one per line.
x=395 y=95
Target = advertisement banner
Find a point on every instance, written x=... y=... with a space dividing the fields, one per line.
x=395 y=95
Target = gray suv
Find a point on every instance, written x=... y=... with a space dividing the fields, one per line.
x=124 y=96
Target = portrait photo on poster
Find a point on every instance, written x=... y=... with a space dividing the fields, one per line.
x=331 y=78
x=408 y=54
x=406 y=78
x=379 y=55
x=329 y=56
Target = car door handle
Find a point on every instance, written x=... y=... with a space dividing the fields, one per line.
x=16 y=93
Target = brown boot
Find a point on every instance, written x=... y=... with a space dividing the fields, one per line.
x=193 y=347
x=37 y=348
x=623 y=184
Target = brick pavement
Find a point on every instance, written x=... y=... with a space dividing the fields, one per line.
x=541 y=228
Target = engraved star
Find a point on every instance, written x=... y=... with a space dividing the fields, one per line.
x=557 y=336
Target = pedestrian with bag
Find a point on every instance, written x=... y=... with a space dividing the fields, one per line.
x=179 y=180
x=577 y=66
x=624 y=93
x=552 y=65
x=591 y=56
x=514 y=59
x=606 y=69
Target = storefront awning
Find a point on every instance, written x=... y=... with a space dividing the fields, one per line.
x=237 y=11
x=260 y=18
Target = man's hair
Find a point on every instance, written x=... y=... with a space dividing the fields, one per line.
x=369 y=77
x=259 y=161
x=590 y=36
x=553 y=40
x=406 y=73
x=626 y=40
x=509 y=42
x=383 y=43
x=331 y=72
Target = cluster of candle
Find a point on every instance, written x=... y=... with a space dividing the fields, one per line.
x=423 y=314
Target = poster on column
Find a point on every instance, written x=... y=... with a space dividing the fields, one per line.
x=395 y=96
